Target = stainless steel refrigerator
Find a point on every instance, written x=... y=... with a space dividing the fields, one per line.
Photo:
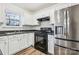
x=66 y=42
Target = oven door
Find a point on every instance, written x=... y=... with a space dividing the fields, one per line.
x=41 y=43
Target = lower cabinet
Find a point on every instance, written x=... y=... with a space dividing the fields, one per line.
x=22 y=41
x=4 y=45
x=31 y=39
x=15 y=43
x=25 y=38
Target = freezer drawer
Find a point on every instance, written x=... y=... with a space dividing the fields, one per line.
x=73 y=45
x=71 y=52
x=61 y=50
x=70 y=44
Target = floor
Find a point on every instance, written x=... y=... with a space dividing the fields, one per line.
x=30 y=51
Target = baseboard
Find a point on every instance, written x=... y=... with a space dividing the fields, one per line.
x=50 y=53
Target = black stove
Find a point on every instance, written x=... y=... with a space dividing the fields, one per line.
x=41 y=39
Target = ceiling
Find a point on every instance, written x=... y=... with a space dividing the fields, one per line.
x=33 y=6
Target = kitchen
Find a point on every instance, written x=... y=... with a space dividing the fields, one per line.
x=37 y=27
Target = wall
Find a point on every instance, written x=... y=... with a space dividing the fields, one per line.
x=24 y=13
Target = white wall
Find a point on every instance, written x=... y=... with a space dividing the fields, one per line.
x=26 y=15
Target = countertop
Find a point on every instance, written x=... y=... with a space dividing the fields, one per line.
x=15 y=32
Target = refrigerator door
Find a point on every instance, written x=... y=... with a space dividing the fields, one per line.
x=60 y=23
x=64 y=18
x=74 y=52
x=73 y=45
x=69 y=24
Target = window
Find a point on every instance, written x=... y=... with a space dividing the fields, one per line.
x=12 y=19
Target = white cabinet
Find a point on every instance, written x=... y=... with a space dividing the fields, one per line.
x=4 y=45
x=25 y=37
x=16 y=43
x=52 y=19
x=31 y=39
x=25 y=40
x=51 y=44
x=22 y=41
x=13 y=44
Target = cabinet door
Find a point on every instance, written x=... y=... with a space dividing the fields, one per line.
x=51 y=44
x=4 y=45
x=13 y=44
x=26 y=38
x=31 y=39
x=22 y=41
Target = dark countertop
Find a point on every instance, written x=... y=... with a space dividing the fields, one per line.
x=15 y=32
